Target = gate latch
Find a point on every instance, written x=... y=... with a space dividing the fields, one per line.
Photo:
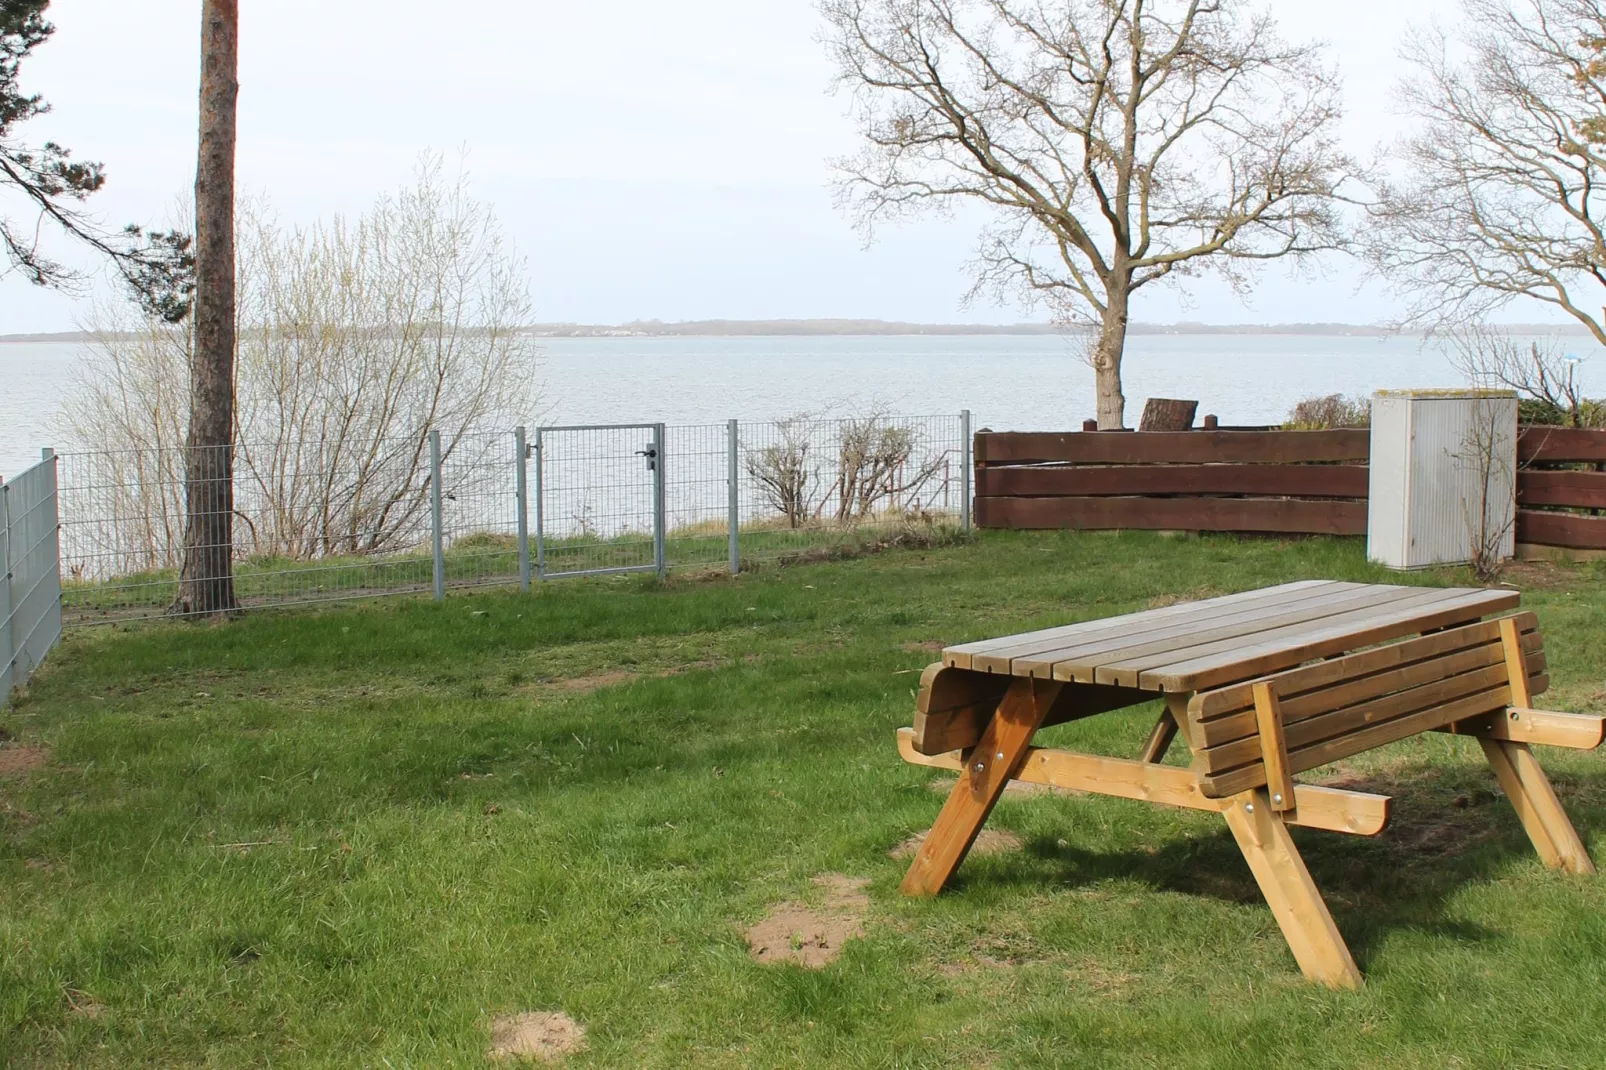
x=651 y=453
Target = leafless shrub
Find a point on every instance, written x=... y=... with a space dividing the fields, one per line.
x=783 y=472
x=1489 y=454
x=847 y=470
x=356 y=337
x=876 y=463
x=1331 y=411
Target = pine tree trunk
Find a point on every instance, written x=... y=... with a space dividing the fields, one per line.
x=206 y=584
x=1107 y=358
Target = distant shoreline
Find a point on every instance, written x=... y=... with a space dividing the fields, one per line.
x=826 y=328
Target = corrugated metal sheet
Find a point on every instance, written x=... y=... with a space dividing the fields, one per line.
x=1443 y=476
x=30 y=593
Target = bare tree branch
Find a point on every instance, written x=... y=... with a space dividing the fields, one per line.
x=1499 y=196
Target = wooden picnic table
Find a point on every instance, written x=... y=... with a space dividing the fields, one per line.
x=1262 y=685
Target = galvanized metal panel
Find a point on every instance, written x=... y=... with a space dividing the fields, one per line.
x=8 y=646
x=33 y=572
x=1443 y=476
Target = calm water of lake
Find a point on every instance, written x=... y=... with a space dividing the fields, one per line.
x=1007 y=381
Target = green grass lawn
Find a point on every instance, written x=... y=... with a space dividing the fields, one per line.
x=354 y=836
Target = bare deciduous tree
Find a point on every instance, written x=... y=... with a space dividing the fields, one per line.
x=1499 y=191
x=355 y=338
x=1117 y=143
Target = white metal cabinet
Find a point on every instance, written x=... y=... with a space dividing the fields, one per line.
x=1442 y=476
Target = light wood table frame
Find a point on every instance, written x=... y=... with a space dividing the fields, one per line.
x=1226 y=669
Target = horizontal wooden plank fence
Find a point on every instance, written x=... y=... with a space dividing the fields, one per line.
x=1561 y=473
x=1291 y=482
x=1271 y=481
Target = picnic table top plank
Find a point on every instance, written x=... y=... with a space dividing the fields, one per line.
x=1358 y=612
x=1039 y=658
x=1159 y=647
x=1285 y=652
x=1193 y=645
x=959 y=657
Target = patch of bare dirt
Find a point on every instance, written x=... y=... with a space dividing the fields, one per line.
x=930 y=646
x=16 y=761
x=1420 y=823
x=809 y=936
x=1536 y=575
x=988 y=842
x=1016 y=788
x=546 y=1036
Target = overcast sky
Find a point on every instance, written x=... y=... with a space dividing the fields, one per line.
x=651 y=160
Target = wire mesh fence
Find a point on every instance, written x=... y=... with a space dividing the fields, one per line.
x=471 y=508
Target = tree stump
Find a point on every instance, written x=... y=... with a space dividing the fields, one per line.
x=1168 y=414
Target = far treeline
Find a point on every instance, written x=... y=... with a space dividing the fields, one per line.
x=1111 y=145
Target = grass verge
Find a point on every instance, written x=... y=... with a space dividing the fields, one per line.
x=357 y=835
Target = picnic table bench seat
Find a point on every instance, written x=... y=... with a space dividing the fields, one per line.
x=1261 y=686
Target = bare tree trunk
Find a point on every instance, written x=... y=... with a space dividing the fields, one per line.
x=206 y=584
x=1107 y=357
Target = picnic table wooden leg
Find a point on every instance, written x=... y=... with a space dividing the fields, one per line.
x=1540 y=812
x=1286 y=883
x=1525 y=783
x=988 y=768
x=1165 y=730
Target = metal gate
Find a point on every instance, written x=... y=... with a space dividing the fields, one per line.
x=599 y=500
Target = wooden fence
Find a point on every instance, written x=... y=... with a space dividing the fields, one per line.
x=1561 y=468
x=1295 y=482
x=1280 y=481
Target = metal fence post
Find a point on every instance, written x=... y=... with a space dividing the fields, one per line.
x=733 y=518
x=521 y=491
x=540 y=517
x=436 y=524
x=966 y=475
x=660 y=542
x=8 y=645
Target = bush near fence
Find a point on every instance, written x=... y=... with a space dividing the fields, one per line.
x=1291 y=482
